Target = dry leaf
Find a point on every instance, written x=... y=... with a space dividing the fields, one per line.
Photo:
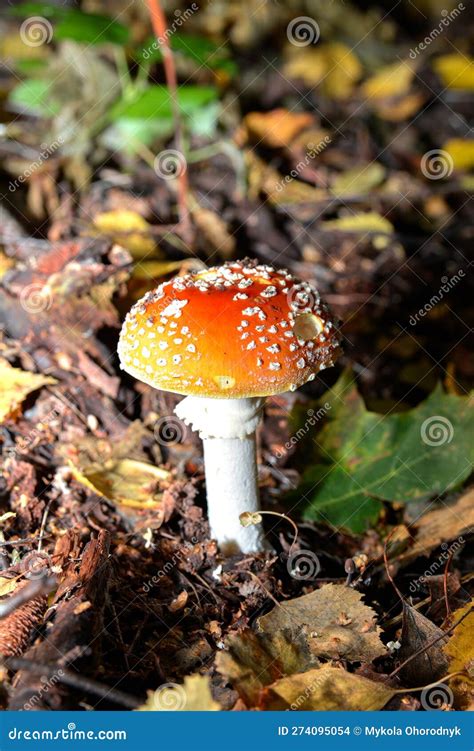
x=319 y=613
x=446 y=523
x=128 y=229
x=400 y=108
x=332 y=65
x=7 y=586
x=359 y=179
x=460 y=647
x=193 y=696
x=429 y=665
x=16 y=385
x=253 y=661
x=126 y=481
x=214 y=230
x=360 y=223
x=327 y=689
x=460 y=652
x=456 y=71
x=389 y=81
x=461 y=151
x=277 y=128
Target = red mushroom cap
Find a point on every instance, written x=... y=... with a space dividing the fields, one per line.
x=237 y=330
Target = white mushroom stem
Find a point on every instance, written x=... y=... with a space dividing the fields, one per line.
x=227 y=428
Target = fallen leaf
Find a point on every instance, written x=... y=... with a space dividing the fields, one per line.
x=400 y=108
x=417 y=631
x=389 y=81
x=456 y=71
x=7 y=586
x=128 y=229
x=255 y=660
x=16 y=385
x=277 y=128
x=461 y=151
x=327 y=689
x=449 y=522
x=126 y=482
x=359 y=179
x=333 y=65
x=337 y=623
x=460 y=652
x=193 y=696
x=214 y=230
x=460 y=647
x=360 y=223
x=363 y=458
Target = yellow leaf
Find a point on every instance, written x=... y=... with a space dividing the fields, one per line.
x=461 y=150
x=155 y=269
x=194 y=695
x=360 y=223
x=7 y=586
x=126 y=481
x=16 y=385
x=359 y=179
x=127 y=228
x=327 y=689
x=399 y=109
x=460 y=647
x=277 y=128
x=392 y=80
x=6 y=264
x=332 y=65
x=456 y=71
x=460 y=651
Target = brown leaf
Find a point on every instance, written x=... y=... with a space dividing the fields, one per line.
x=254 y=661
x=319 y=613
x=460 y=652
x=446 y=523
x=327 y=689
x=431 y=664
x=277 y=128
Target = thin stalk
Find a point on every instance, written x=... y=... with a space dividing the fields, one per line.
x=158 y=21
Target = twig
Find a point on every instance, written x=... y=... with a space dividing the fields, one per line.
x=31 y=591
x=430 y=643
x=74 y=680
x=445 y=584
x=158 y=22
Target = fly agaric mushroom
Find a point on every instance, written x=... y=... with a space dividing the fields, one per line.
x=227 y=337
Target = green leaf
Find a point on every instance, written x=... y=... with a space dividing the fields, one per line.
x=128 y=135
x=90 y=28
x=71 y=23
x=202 y=51
x=363 y=458
x=155 y=101
x=32 y=96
